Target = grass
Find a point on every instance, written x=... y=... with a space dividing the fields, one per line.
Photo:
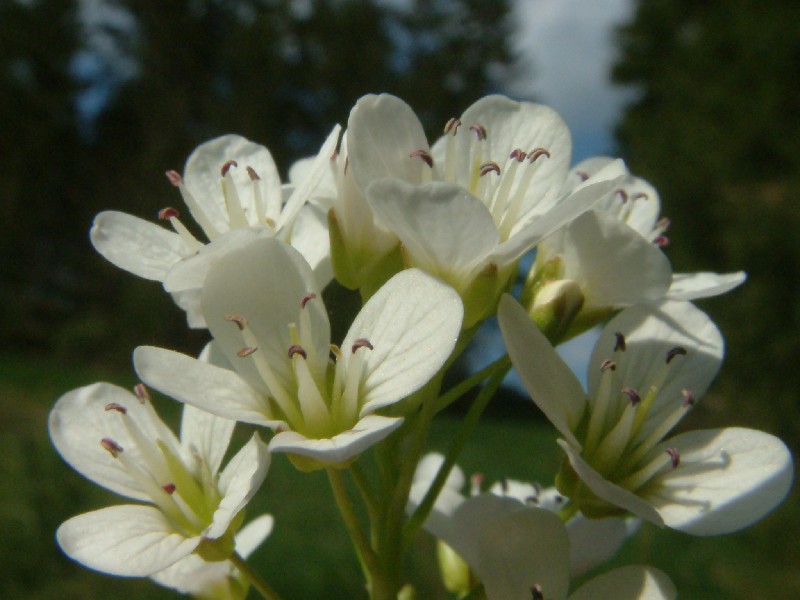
x=308 y=555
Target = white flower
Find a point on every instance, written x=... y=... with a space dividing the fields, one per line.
x=117 y=440
x=636 y=203
x=261 y=306
x=216 y=580
x=521 y=552
x=591 y=541
x=650 y=365
x=363 y=250
x=589 y=268
x=232 y=190
x=488 y=190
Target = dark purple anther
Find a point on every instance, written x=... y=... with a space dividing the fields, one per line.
x=675 y=456
x=361 y=343
x=677 y=350
x=479 y=130
x=304 y=300
x=227 y=167
x=620 y=345
x=632 y=395
x=167 y=213
x=424 y=155
x=297 y=349
x=117 y=407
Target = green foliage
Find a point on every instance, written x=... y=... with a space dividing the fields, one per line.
x=715 y=126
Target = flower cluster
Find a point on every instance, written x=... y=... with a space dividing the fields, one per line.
x=431 y=236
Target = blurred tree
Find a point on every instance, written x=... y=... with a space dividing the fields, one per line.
x=163 y=77
x=717 y=82
x=40 y=151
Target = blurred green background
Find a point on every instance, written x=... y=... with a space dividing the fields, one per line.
x=98 y=99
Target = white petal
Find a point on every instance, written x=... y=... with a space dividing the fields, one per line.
x=614 y=265
x=79 y=421
x=460 y=523
x=445 y=230
x=519 y=549
x=193 y=575
x=413 y=323
x=206 y=435
x=251 y=535
x=238 y=482
x=200 y=384
x=539 y=224
x=628 y=583
x=608 y=491
x=189 y=301
x=650 y=332
x=190 y=273
x=310 y=237
x=137 y=246
x=264 y=282
x=203 y=177
x=524 y=125
x=429 y=466
x=727 y=479
x=692 y=286
x=382 y=132
x=594 y=541
x=314 y=177
x=340 y=448
x=130 y=541
x=549 y=381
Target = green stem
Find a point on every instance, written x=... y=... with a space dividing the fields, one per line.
x=462 y=388
x=258 y=583
x=467 y=427
x=366 y=491
x=366 y=556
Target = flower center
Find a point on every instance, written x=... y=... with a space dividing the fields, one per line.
x=187 y=495
x=625 y=425
x=309 y=400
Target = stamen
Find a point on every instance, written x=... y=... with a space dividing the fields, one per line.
x=174 y=178
x=676 y=351
x=337 y=352
x=452 y=126
x=518 y=154
x=227 y=167
x=622 y=194
x=171 y=214
x=361 y=343
x=169 y=488
x=165 y=214
x=306 y=298
x=608 y=364
x=582 y=175
x=252 y=173
x=489 y=167
x=663 y=224
x=639 y=196
x=479 y=130
x=424 y=155
x=661 y=241
x=688 y=398
x=140 y=390
x=632 y=394
x=117 y=407
x=246 y=351
x=113 y=448
x=504 y=485
x=536 y=592
x=238 y=320
x=675 y=456
x=297 y=349
x=620 y=343
x=537 y=152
